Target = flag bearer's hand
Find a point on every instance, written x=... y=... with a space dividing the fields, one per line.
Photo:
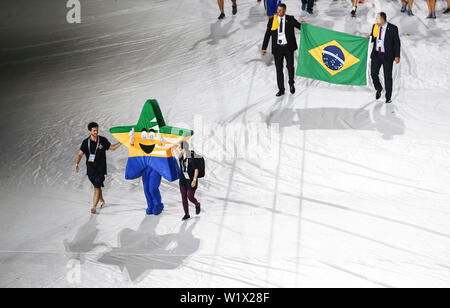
x=397 y=60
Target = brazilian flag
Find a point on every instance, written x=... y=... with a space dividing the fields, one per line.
x=332 y=56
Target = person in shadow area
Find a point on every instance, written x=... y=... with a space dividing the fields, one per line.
x=188 y=178
x=386 y=50
x=281 y=30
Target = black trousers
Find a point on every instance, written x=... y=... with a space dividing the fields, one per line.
x=375 y=66
x=309 y=2
x=284 y=52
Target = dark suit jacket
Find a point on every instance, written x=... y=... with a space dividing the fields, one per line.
x=291 y=23
x=391 y=43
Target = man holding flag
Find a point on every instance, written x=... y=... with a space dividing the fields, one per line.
x=386 y=50
x=332 y=56
x=281 y=29
x=341 y=58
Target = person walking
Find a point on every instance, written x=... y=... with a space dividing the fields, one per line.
x=94 y=148
x=386 y=50
x=407 y=7
x=431 y=9
x=355 y=6
x=188 y=179
x=222 y=10
x=281 y=30
x=447 y=10
x=308 y=6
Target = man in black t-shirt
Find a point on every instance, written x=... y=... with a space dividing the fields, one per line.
x=94 y=148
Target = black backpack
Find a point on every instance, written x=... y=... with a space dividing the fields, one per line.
x=199 y=162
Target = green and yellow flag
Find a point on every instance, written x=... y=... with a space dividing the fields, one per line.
x=332 y=56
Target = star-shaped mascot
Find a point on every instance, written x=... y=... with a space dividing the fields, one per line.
x=150 y=142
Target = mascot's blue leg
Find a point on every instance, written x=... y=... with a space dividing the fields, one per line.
x=146 y=180
x=155 y=181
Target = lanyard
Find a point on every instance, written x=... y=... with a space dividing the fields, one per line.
x=185 y=164
x=98 y=143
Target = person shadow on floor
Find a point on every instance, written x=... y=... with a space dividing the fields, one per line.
x=385 y=122
x=84 y=241
x=144 y=250
x=218 y=32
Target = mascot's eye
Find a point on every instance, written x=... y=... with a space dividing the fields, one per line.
x=151 y=136
x=144 y=135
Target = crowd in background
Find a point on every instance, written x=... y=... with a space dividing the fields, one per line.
x=308 y=5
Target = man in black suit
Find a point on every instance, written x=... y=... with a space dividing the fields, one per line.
x=284 y=44
x=386 y=50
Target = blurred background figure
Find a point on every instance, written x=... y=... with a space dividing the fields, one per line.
x=308 y=6
x=355 y=5
x=222 y=11
x=447 y=10
x=431 y=9
x=407 y=7
x=271 y=7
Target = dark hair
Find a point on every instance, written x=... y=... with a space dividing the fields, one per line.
x=92 y=125
x=282 y=5
x=383 y=15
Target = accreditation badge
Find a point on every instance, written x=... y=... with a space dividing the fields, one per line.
x=91 y=158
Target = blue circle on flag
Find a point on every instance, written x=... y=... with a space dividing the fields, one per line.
x=333 y=57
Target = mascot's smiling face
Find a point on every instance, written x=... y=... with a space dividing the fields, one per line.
x=148 y=149
x=147 y=140
x=151 y=136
